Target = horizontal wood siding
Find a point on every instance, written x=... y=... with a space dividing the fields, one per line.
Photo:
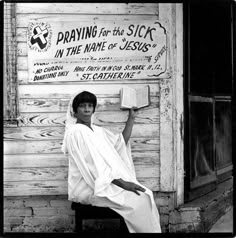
x=28 y=105
x=88 y=8
x=54 y=146
x=55 y=133
x=60 y=173
x=66 y=90
x=33 y=161
x=51 y=187
x=100 y=118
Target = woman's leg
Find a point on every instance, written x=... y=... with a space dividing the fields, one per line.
x=139 y=214
x=139 y=211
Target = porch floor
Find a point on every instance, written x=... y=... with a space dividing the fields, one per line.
x=224 y=224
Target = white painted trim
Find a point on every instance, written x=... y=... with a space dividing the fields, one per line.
x=179 y=105
x=171 y=108
x=167 y=163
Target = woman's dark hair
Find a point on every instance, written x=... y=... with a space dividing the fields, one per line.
x=84 y=97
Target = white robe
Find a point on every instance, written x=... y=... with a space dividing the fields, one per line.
x=96 y=158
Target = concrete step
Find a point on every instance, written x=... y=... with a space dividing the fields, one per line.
x=201 y=214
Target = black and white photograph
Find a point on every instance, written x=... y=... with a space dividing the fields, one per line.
x=118 y=117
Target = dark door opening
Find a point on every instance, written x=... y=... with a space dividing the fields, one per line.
x=208 y=95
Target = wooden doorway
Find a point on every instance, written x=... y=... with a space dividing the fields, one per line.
x=208 y=96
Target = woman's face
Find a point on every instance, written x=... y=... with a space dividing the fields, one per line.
x=84 y=111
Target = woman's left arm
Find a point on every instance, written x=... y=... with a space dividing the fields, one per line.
x=129 y=125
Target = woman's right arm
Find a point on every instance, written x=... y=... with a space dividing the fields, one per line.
x=129 y=125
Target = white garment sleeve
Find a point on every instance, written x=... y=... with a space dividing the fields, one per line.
x=123 y=149
x=95 y=160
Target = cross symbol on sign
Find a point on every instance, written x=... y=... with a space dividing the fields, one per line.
x=39 y=37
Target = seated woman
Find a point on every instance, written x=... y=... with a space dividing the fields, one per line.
x=101 y=170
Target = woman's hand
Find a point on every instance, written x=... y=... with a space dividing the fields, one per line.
x=132 y=113
x=129 y=186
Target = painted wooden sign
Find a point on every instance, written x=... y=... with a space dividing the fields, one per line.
x=96 y=50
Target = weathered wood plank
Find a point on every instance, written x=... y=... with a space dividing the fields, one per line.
x=147 y=158
x=100 y=118
x=21 y=34
x=67 y=90
x=56 y=187
x=33 y=133
x=35 y=188
x=54 y=146
x=21 y=49
x=60 y=105
x=145 y=144
x=87 y=8
x=61 y=173
x=56 y=133
x=35 y=174
x=22 y=20
x=32 y=147
x=22 y=63
x=22 y=76
x=35 y=160
x=42 y=119
x=52 y=105
x=151 y=183
x=140 y=158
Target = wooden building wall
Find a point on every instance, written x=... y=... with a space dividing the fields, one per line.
x=9 y=65
x=33 y=161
